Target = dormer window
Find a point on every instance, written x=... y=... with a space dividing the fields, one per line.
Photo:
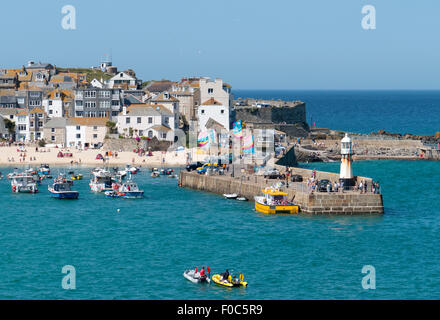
x=210 y=90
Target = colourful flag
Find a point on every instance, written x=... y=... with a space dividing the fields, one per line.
x=237 y=130
x=203 y=140
x=212 y=136
x=248 y=145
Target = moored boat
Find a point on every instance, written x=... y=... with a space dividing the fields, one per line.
x=273 y=201
x=230 y=195
x=62 y=190
x=128 y=190
x=23 y=183
x=44 y=169
x=101 y=181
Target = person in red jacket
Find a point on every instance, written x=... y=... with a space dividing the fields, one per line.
x=202 y=273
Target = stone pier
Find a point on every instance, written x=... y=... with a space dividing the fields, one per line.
x=341 y=203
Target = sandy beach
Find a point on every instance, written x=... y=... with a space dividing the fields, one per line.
x=28 y=155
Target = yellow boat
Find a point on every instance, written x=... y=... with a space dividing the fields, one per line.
x=230 y=282
x=274 y=201
x=77 y=177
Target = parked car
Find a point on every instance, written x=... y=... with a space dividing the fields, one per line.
x=193 y=166
x=271 y=174
x=322 y=185
x=296 y=178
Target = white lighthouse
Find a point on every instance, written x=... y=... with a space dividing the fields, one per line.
x=346 y=175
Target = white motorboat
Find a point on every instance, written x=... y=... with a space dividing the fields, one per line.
x=230 y=195
x=23 y=183
x=101 y=181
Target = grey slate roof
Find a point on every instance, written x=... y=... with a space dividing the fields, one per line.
x=56 y=123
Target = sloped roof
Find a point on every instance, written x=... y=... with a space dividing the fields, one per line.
x=211 y=102
x=56 y=123
x=36 y=110
x=160 y=128
x=160 y=86
x=87 y=121
x=161 y=98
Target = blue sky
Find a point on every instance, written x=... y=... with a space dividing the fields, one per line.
x=314 y=44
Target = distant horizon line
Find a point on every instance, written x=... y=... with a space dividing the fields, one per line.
x=253 y=89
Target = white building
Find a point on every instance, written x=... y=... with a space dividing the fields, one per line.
x=53 y=104
x=172 y=104
x=85 y=132
x=147 y=120
x=124 y=81
x=22 y=126
x=213 y=109
x=215 y=89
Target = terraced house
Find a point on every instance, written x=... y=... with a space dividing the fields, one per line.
x=97 y=102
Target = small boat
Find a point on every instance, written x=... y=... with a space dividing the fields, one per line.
x=61 y=190
x=194 y=277
x=62 y=179
x=44 y=169
x=155 y=174
x=131 y=169
x=274 y=201
x=23 y=183
x=101 y=181
x=230 y=195
x=128 y=190
x=242 y=199
x=78 y=176
x=230 y=282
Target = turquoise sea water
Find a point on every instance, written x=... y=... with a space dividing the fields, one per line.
x=142 y=251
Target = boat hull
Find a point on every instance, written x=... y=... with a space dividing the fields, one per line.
x=65 y=195
x=276 y=209
x=218 y=280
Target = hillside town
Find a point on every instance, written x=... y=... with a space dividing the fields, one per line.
x=80 y=107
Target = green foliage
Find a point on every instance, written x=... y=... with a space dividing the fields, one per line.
x=41 y=143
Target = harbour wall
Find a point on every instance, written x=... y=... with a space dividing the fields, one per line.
x=347 y=203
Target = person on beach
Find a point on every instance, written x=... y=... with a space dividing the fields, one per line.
x=360 y=186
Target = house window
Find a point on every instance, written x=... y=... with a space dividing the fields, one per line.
x=203 y=111
x=50 y=102
x=222 y=111
x=150 y=119
x=95 y=128
x=167 y=120
x=150 y=134
x=139 y=120
x=127 y=120
x=40 y=124
x=78 y=136
x=52 y=130
x=95 y=136
x=32 y=124
x=50 y=111
x=40 y=115
x=141 y=133
x=52 y=138
x=78 y=127
x=38 y=135
x=164 y=135
x=210 y=90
